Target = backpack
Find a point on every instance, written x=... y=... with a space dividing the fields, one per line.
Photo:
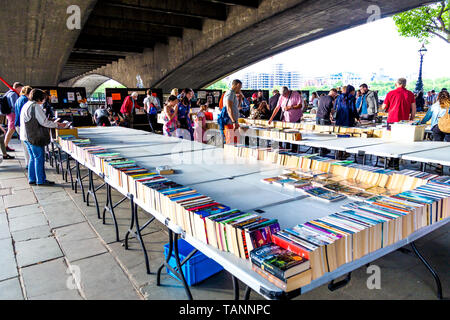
x=153 y=109
x=223 y=118
x=5 y=108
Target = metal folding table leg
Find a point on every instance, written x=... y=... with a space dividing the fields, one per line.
x=248 y=290
x=109 y=206
x=430 y=268
x=137 y=232
x=178 y=271
x=332 y=286
x=92 y=191
x=59 y=163
x=80 y=181
x=53 y=158
x=235 y=287
x=69 y=169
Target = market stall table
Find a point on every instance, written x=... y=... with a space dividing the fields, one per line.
x=238 y=186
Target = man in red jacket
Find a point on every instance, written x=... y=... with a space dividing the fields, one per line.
x=128 y=108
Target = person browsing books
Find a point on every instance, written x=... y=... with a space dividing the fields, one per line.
x=435 y=112
x=101 y=117
x=325 y=107
x=291 y=104
x=184 y=119
x=128 y=108
x=400 y=103
x=200 y=124
x=346 y=113
x=152 y=107
x=170 y=116
x=229 y=116
x=33 y=124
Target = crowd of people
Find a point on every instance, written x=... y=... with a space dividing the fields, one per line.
x=345 y=106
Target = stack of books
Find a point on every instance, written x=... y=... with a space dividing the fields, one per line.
x=366 y=226
x=282 y=267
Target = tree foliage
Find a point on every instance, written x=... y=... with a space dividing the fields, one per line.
x=425 y=22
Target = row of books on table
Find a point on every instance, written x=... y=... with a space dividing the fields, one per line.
x=71 y=112
x=200 y=216
x=263 y=125
x=307 y=251
x=389 y=206
x=363 y=176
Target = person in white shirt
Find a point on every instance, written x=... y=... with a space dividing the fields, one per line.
x=152 y=107
x=28 y=133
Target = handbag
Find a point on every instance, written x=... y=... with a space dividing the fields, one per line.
x=37 y=135
x=444 y=122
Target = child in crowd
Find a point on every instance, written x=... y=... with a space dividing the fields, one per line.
x=171 y=116
x=200 y=124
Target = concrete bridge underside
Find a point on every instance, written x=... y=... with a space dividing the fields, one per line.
x=174 y=43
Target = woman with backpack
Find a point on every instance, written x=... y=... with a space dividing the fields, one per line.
x=436 y=112
x=34 y=131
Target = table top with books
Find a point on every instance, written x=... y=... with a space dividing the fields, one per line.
x=343 y=144
x=324 y=234
x=440 y=156
x=398 y=149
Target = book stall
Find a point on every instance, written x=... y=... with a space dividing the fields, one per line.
x=283 y=223
x=70 y=104
x=116 y=96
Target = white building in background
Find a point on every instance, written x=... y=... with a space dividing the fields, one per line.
x=278 y=78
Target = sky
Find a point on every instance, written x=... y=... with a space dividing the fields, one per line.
x=375 y=45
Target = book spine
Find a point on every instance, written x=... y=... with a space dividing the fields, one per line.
x=291 y=246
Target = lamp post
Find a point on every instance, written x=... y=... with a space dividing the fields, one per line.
x=419 y=84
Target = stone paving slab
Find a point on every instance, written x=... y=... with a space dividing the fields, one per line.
x=79 y=241
x=62 y=213
x=8 y=266
x=102 y=278
x=10 y=289
x=12 y=173
x=45 y=278
x=60 y=295
x=52 y=197
x=24 y=211
x=4 y=228
x=5 y=191
x=15 y=183
x=27 y=222
x=32 y=233
x=20 y=198
x=38 y=250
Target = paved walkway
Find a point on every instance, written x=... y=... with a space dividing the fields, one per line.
x=52 y=246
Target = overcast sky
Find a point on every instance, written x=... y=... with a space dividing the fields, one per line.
x=375 y=45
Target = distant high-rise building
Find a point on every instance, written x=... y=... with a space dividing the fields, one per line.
x=278 y=78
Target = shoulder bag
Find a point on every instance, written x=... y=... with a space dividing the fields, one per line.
x=37 y=135
x=444 y=122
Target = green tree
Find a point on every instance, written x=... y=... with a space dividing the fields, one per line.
x=219 y=85
x=425 y=22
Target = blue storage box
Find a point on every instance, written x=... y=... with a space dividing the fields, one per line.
x=198 y=268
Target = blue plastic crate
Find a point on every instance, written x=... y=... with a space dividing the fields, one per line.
x=198 y=268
